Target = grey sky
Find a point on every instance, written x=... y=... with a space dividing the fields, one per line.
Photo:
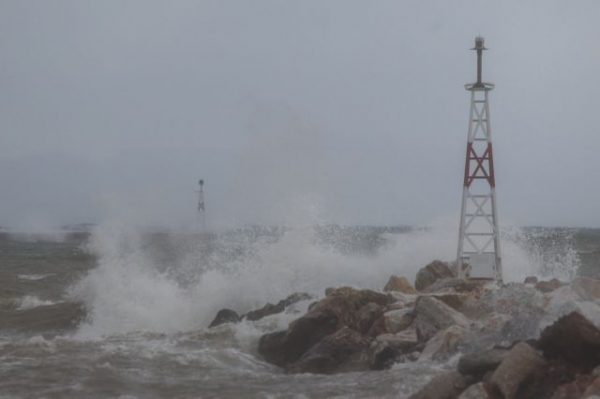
x=342 y=111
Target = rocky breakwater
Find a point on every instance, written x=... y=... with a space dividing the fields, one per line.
x=530 y=340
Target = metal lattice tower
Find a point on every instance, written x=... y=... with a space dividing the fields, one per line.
x=479 y=242
x=201 y=208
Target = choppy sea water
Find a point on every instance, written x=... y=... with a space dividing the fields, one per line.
x=119 y=313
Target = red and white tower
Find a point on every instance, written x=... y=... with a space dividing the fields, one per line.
x=479 y=242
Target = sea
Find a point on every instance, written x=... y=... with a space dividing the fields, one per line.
x=123 y=312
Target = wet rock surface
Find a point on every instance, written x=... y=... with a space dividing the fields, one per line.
x=400 y=284
x=448 y=385
x=573 y=339
x=519 y=365
x=431 y=273
x=511 y=345
x=231 y=316
x=225 y=316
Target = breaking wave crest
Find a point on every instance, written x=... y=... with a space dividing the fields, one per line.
x=169 y=282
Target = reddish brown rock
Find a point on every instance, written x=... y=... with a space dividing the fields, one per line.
x=444 y=386
x=398 y=320
x=344 y=351
x=573 y=339
x=548 y=286
x=433 y=315
x=343 y=307
x=431 y=273
x=444 y=343
x=516 y=370
x=400 y=284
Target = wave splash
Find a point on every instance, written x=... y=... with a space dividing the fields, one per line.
x=177 y=282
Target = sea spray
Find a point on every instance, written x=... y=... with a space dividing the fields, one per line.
x=134 y=287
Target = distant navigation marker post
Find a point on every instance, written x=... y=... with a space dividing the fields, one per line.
x=479 y=241
x=201 y=207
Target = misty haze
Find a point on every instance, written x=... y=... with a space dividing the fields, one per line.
x=272 y=199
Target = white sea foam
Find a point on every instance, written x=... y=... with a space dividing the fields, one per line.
x=30 y=302
x=33 y=277
x=127 y=292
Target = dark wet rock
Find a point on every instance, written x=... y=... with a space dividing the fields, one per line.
x=284 y=347
x=347 y=305
x=587 y=288
x=231 y=316
x=225 y=316
x=432 y=315
x=530 y=280
x=343 y=351
x=434 y=271
x=343 y=307
x=548 y=286
x=448 y=385
x=479 y=363
x=378 y=327
x=516 y=370
x=366 y=316
x=573 y=339
x=59 y=317
x=400 y=284
x=476 y=391
x=270 y=309
x=387 y=348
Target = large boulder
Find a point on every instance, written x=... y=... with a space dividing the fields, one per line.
x=270 y=309
x=433 y=315
x=400 y=284
x=573 y=339
x=343 y=351
x=387 y=348
x=516 y=370
x=225 y=316
x=431 y=273
x=284 y=347
x=444 y=386
x=444 y=343
x=479 y=363
x=343 y=307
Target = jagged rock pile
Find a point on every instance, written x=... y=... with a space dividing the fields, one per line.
x=496 y=328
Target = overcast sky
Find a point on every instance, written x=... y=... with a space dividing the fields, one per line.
x=334 y=111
